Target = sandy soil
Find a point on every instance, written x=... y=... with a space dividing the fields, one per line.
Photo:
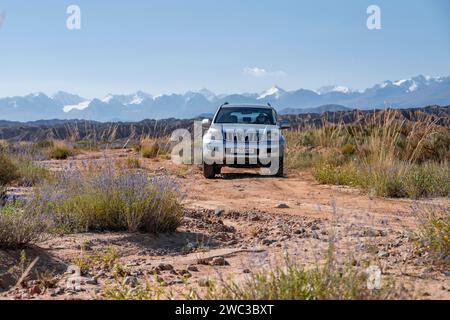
x=235 y=225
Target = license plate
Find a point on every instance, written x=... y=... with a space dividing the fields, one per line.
x=244 y=150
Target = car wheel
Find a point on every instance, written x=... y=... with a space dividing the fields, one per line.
x=209 y=171
x=280 y=171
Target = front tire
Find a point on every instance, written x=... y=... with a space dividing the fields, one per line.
x=280 y=171
x=209 y=171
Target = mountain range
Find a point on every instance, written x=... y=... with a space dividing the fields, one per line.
x=409 y=93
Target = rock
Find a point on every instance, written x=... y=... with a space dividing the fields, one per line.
x=383 y=254
x=35 y=290
x=184 y=273
x=164 y=267
x=219 y=261
x=219 y=211
x=282 y=206
x=315 y=235
x=232 y=243
x=92 y=281
x=130 y=281
x=266 y=242
x=204 y=282
x=447 y=273
x=58 y=291
x=300 y=231
x=246 y=271
x=192 y=268
x=25 y=296
x=314 y=227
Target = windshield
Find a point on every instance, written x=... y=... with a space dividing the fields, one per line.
x=244 y=115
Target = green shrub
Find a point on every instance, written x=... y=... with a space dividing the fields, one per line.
x=30 y=173
x=394 y=179
x=133 y=163
x=348 y=149
x=110 y=199
x=300 y=160
x=45 y=144
x=292 y=282
x=149 y=148
x=8 y=170
x=434 y=234
x=18 y=228
x=152 y=148
x=60 y=152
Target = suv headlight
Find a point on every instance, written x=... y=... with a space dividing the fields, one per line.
x=212 y=135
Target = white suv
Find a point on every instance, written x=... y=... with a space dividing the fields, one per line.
x=244 y=136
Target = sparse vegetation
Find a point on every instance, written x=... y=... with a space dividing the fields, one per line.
x=109 y=199
x=18 y=164
x=8 y=171
x=330 y=281
x=18 y=228
x=152 y=148
x=60 y=150
x=386 y=156
x=434 y=234
x=125 y=292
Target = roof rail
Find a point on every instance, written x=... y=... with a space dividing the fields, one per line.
x=224 y=104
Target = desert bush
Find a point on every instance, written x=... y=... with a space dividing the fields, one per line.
x=122 y=291
x=8 y=170
x=293 y=282
x=434 y=233
x=30 y=173
x=388 y=179
x=3 y=145
x=149 y=148
x=19 y=228
x=300 y=160
x=152 y=148
x=109 y=199
x=18 y=166
x=133 y=163
x=389 y=157
x=60 y=151
x=44 y=144
x=88 y=145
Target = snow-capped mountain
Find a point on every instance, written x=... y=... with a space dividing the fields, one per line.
x=418 y=91
x=335 y=88
x=273 y=93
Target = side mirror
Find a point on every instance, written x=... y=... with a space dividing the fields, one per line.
x=285 y=125
x=205 y=122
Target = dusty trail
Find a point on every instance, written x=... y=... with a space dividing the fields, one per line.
x=246 y=191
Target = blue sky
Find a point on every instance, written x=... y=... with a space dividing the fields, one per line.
x=179 y=45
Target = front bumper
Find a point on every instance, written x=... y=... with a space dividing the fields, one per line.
x=242 y=154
